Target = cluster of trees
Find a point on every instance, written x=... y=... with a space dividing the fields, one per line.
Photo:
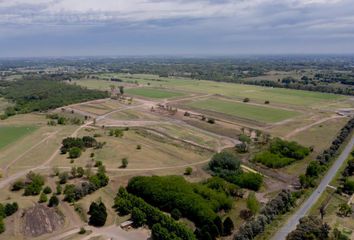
x=281 y=153
x=310 y=228
x=318 y=166
x=5 y=211
x=33 y=184
x=281 y=204
x=347 y=183
x=227 y=166
x=163 y=226
x=194 y=201
x=75 y=145
x=41 y=95
x=98 y=214
x=61 y=120
x=76 y=192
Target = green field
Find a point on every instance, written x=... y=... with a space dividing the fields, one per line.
x=255 y=93
x=244 y=110
x=153 y=93
x=9 y=134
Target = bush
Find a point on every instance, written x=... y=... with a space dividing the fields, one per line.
x=74 y=152
x=18 y=185
x=42 y=198
x=124 y=162
x=224 y=161
x=10 y=208
x=188 y=171
x=53 y=201
x=34 y=187
x=47 y=190
x=228 y=226
x=272 y=160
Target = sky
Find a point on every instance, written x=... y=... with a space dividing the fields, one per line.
x=38 y=28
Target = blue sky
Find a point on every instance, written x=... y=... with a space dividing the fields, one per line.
x=175 y=27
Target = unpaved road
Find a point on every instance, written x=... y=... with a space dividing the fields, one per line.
x=304 y=128
x=290 y=225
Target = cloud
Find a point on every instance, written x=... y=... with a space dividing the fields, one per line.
x=176 y=25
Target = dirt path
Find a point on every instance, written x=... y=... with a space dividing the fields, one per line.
x=304 y=128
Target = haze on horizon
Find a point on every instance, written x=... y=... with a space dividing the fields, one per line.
x=37 y=28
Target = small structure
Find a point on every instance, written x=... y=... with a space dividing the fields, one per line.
x=126 y=225
x=348 y=112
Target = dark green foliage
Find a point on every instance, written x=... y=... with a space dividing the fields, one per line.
x=53 y=201
x=2 y=225
x=63 y=177
x=166 y=227
x=194 y=201
x=75 y=192
x=348 y=186
x=338 y=235
x=272 y=160
x=98 y=214
x=220 y=185
x=160 y=233
x=34 y=185
x=288 y=149
x=281 y=153
x=71 y=142
x=138 y=217
x=47 y=190
x=74 y=152
x=224 y=161
x=18 y=185
x=252 y=203
x=89 y=142
x=9 y=209
x=228 y=226
x=310 y=228
x=228 y=167
x=176 y=214
x=41 y=95
x=42 y=198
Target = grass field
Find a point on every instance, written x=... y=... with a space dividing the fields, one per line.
x=244 y=110
x=153 y=93
x=9 y=134
x=239 y=91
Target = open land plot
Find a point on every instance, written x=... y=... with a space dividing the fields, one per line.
x=155 y=152
x=153 y=93
x=99 y=107
x=190 y=135
x=297 y=98
x=320 y=137
x=244 y=110
x=10 y=134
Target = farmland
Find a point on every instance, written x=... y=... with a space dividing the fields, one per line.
x=244 y=110
x=9 y=134
x=153 y=93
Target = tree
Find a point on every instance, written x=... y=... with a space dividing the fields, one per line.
x=18 y=185
x=345 y=210
x=310 y=228
x=252 y=203
x=42 y=198
x=53 y=201
x=188 y=171
x=2 y=225
x=98 y=214
x=121 y=90
x=228 y=226
x=138 y=217
x=74 y=152
x=80 y=172
x=59 y=189
x=10 y=208
x=124 y=162
x=63 y=177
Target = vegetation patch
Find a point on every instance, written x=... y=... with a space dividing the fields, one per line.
x=244 y=110
x=281 y=153
x=40 y=95
x=9 y=134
